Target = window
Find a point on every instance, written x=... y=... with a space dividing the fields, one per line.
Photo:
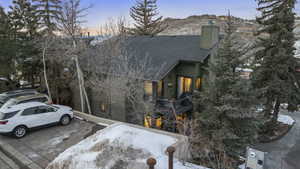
x=184 y=85
x=29 y=111
x=9 y=103
x=42 y=99
x=5 y=116
x=148 y=87
x=103 y=107
x=39 y=99
x=45 y=109
x=198 y=83
x=160 y=89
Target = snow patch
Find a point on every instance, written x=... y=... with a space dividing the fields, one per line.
x=244 y=70
x=297 y=46
x=243 y=166
x=286 y=119
x=103 y=124
x=79 y=118
x=122 y=146
x=3 y=79
x=58 y=140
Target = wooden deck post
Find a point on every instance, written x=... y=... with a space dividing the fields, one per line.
x=171 y=151
x=151 y=163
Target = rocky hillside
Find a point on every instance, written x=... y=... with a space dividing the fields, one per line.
x=192 y=25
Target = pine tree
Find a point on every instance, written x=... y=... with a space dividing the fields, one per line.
x=275 y=76
x=48 y=11
x=226 y=104
x=3 y=21
x=7 y=46
x=147 y=22
x=24 y=22
x=23 y=17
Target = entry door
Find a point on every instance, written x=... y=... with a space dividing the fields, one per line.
x=184 y=85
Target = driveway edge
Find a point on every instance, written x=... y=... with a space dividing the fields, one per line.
x=8 y=161
x=17 y=156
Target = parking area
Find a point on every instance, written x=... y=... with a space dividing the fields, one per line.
x=42 y=146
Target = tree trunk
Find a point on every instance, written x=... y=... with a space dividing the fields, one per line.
x=268 y=109
x=276 y=111
x=79 y=84
x=45 y=73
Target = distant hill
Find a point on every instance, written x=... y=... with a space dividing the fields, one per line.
x=192 y=25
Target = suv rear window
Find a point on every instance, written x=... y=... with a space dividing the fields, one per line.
x=5 y=116
x=39 y=99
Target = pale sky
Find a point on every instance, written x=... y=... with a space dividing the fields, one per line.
x=102 y=10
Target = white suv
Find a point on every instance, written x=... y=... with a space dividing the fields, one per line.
x=26 y=99
x=20 y=118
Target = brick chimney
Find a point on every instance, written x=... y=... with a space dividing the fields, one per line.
x=209 y=36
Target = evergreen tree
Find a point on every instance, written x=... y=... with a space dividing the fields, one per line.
x=226 y=104
x=275 y=75
x=7 y=46
x=3 y=21
x=147 y=22
x=23 y=18
x=48 y=11
x=24 y=21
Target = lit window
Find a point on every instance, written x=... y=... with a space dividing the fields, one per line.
x=198 y=83
x=184 y=85
x=103 y=107
x=148 y=87
x=160 y=89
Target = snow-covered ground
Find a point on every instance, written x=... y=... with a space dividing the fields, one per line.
x=285 y=119
x=297 y=46
x=119 y=146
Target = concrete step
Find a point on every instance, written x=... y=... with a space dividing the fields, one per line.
x=7 y=163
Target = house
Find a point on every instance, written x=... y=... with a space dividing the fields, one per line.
x=180 y=59
x=178 y=66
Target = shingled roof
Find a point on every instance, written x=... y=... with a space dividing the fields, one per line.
x=165 y=52
x=162 y=54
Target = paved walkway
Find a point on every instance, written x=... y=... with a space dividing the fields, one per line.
x=284 y=153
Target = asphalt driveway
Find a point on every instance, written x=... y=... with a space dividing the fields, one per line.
x=42 y=146
x=284 y=153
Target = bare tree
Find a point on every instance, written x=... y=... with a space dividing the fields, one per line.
x=70 y=19
x=45 y=47
x=119 y=74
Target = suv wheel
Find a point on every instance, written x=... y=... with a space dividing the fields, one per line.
x=65 y=120
x=20 y=131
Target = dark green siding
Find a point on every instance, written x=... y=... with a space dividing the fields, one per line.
x=186 y=69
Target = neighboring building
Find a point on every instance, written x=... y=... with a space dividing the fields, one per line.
x=178 y=64
x=245 y=73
